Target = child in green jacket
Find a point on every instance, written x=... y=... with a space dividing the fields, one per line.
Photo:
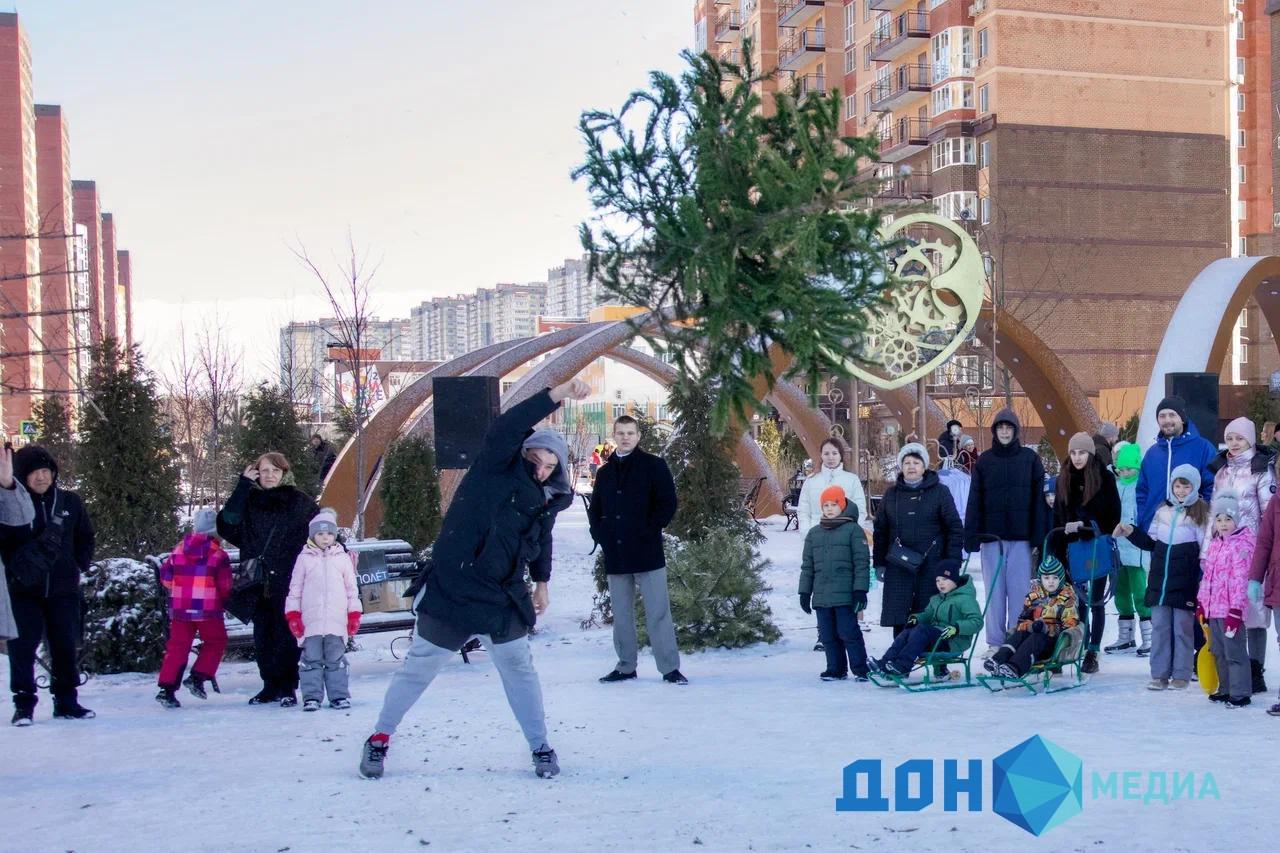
x=951 y=619
x=835 y=574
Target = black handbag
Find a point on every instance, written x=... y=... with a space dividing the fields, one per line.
x=903 y=557
x=31 y=568
x=250 y=573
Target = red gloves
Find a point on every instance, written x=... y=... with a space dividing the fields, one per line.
x=353 y=623
x=1234 y=622
x=294 y=618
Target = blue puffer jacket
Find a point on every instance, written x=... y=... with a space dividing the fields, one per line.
x=1158 y=463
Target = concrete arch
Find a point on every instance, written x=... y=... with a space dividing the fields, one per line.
x=1198 y=338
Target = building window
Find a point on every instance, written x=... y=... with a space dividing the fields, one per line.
x=983 y=44
x=1240 y=138
x=966 y=50
x=958 y=205
x=1240 y=102
x=984 y=154
x=941 y=50
x=1241 y=210
x=941 y=100
x=1240 y=65
x=850 y=107
x=984 y=206
x=966 y=95
x=956 y=151
x=984 y=98
x=866 y=57
x=1239 y=28
x=850 y=22
x=866 y=10
x=1242 y=174
x=1244 y=318
x=850 y=60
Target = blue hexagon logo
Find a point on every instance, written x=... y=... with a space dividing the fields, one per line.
x=1037 y=785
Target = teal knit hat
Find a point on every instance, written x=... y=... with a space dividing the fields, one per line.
x=1051 y=565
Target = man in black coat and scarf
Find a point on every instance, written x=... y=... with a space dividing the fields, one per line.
x=633 y=499
x=498 y=524
x=44 y=559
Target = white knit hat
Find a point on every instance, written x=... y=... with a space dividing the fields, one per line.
x=914 y=449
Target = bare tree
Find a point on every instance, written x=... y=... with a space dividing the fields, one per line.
x=181 y=386
x=348 y=291
x=221 y=385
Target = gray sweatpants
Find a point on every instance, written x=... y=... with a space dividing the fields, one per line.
x=512 y=659
x=1173 y=643
x=1231 y=656
x=324 y=668
x=1007 y=592
x=657 y=620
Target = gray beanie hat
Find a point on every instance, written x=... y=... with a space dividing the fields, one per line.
x=326 y=521
x=1227 y=503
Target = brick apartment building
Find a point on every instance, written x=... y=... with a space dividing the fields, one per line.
x=1101 y=151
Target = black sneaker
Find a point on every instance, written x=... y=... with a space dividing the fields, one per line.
x=827 y=675
x=265 y=696
x=166 y=698
x=374 y=755
x=862 y=678
x=1239 y=703
x=195 y=683
x=545 y=763
x=617 y=676
x=674 y=677
x=22 y=716
x=288 y=700
x=74 y=711
x=1218 y=697
x=340 y=704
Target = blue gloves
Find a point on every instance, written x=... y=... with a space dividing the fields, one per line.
x=1255 y=591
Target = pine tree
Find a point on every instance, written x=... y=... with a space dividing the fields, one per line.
x=410 y=490
x=271 y=424
x=128 y=473
x=705 y=474
x=739 y=228
x=651 y=437
x=53 y=425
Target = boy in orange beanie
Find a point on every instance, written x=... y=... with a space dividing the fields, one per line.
x=835 y=574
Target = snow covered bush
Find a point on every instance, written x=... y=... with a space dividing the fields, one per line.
x=717 y=594
x=125 y=620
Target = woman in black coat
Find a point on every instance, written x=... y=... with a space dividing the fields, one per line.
x=1086 y=495
x=919 y=512
x=267 y=519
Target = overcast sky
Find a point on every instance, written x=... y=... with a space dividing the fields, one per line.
x=441 y=132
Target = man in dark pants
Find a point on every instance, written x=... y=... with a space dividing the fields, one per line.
x=43 y=560
x=633 y=499
x=498 y=523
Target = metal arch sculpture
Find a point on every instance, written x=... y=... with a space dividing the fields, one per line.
x=1198 y=338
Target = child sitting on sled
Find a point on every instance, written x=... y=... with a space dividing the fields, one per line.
x=1049 y=609
x=951 y=619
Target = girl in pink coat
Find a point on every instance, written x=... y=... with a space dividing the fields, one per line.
x=323 y=610
x=1223 y=597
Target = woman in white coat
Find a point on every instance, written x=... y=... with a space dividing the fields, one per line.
x=831 y=473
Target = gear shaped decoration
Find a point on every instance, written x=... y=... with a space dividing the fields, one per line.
x=930 y=314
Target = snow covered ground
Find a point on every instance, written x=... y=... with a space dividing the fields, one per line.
x=749 y=756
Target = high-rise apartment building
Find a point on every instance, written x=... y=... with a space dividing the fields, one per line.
x=87 y=213
x=110 y=279
x=572 y=292
x=21 y=365
x=124 y=295
x=53 y=170
x=307 y=363
x=503 y=313
x=439 y=328
x=1102 y=152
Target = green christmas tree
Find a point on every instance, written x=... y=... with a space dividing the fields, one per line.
x=53 y=417
x=410 y=490
x=128 y=470
x=652 y=439
x=740 y=230
x=271 y=424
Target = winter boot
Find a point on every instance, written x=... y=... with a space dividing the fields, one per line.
x=340 y=704
x=828 y=675
x=615 y=676
x=1144 y=625
x=1090 y=664
x=545 y=763
x=818 y=647
x=311 y=705
x=374 y=755
x=72 y=711
x=22 y=716
x=166 y=698
x=1239 y=703
x=1123 y=643
x=195 y=682
x=265 y=696
x=1259 y=686
x=672 y=677
x=288 y=700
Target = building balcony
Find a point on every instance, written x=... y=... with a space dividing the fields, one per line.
x=727 y=23
x=886 y=5
x=905 y=188
x=797 y=47
x=906 y=31
x=906 y=136
x=731 y=55
x=906 y=82
x=797 y=13
x=809 y=84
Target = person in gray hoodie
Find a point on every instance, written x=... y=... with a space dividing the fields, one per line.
x=16 y=510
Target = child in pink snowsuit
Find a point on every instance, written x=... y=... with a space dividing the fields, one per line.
x=198 y=577
x=323 y=610
x=1223 y=597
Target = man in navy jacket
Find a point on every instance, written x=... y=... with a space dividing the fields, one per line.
x=633 y=499
x=1179 y=443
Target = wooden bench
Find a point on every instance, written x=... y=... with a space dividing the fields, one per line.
x=748 y=492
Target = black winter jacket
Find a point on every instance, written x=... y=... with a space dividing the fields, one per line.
x=925 y=520
x=75 y=548
x=1006 y=495
x=633 y=499
x=270 y=524
x=499 y=522
x=1174 y=577
x=1103 y=509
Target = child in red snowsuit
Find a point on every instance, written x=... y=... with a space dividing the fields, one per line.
x=198 y=577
